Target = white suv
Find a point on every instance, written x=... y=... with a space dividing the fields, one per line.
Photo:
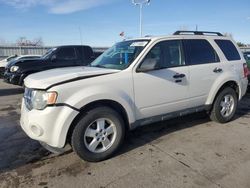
x=134 y=83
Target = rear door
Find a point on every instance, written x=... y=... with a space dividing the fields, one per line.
x=204 y=66
x=165 y=88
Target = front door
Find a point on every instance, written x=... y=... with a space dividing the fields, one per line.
x=165 y=88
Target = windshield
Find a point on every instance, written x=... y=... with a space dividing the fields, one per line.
x=121 y=55
x=11 y=58
x=30 y=57
x=48 y=53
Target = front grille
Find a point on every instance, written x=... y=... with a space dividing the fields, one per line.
x=7 y=70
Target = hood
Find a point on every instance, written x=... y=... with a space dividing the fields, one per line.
x=53 y=77
x=17 y=62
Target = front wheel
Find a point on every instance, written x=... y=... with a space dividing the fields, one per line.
x=98 y=134
x=225 y=106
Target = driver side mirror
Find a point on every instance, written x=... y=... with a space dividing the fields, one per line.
x=53 y=58
x=148 y=64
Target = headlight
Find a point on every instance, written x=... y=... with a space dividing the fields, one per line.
x=14 y=68
x=38 y=99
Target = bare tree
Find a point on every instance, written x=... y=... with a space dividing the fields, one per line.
x=38 y=42
x=23 y=41
x=240 y=44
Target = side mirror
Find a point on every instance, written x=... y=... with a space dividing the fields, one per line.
x=53 y=58
x=148 y=64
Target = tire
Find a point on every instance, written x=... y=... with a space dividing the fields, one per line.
x=219 y=112
x=94 y=128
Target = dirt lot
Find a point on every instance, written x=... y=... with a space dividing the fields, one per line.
x=185 y=152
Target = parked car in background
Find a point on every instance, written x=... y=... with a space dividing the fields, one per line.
x=13 y=58
x=62 y=56
x=247 y=57
x=134 y=83
x=4 y=62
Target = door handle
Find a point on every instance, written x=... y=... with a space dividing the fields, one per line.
x=217 y=70
x=178 y=76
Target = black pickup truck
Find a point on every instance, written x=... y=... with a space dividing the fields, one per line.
x=62 y=56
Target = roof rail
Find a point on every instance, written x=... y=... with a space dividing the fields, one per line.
x=198 y=33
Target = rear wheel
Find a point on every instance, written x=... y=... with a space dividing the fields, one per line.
x=98 y=134
x=225 y=106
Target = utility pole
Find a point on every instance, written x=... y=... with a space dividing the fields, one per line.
x=140 y=3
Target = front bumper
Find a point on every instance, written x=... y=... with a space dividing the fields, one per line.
x=12 y=78
x=50 y=125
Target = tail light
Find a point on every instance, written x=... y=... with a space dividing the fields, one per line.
x=246 y=70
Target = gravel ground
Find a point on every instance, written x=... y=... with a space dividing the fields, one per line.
x=190 y=151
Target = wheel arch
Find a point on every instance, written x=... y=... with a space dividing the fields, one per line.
x=230 y=83
x=104 y=102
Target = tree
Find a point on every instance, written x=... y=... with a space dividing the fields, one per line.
x=23 y=41
x=38 y=42
x=240 y=44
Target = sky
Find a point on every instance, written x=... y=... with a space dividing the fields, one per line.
x=99 y=22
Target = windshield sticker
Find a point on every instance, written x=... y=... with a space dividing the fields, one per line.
x=141 y=43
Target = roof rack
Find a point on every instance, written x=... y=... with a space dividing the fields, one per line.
x=198 y=33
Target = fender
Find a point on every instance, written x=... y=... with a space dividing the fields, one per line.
x=94 y=93
x=88 y=95
x=226 y=77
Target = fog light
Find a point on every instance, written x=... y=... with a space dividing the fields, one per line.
x=36 y=130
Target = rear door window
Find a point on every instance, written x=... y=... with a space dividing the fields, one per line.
x=199 y=51
x=229 y=50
